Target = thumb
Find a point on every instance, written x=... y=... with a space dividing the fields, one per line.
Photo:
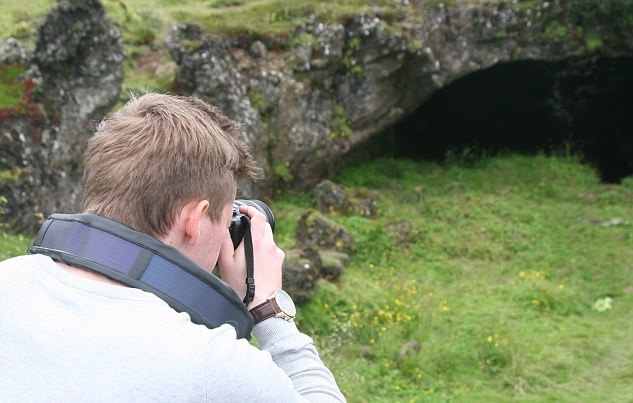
x=232 y=267
x=227 y=254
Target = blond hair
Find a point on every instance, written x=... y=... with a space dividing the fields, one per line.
x=157 y=153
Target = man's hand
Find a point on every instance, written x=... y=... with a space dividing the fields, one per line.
x=268 y=260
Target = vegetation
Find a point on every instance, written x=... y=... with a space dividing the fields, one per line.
x=145 y=24
x=11 y=244
x=18 y=19
x=585 y=20
x=11 y=86
x=276 y=17
x=511 y=282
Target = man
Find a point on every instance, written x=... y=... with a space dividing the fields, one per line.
x=168 y=167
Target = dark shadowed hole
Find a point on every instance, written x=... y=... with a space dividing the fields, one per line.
x=580 y=106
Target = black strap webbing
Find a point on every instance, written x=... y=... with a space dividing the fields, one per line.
x=250 y=261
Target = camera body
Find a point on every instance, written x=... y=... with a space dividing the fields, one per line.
x=239 y=224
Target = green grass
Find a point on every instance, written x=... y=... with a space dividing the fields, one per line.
x=11 y=86
x=18 y=19
x=145 y=24
x=493 y=302
x=12 y=244
x=274 y=17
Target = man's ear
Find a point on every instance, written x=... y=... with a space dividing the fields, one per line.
x=192 y=214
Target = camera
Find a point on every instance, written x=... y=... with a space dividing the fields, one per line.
x=239 y=226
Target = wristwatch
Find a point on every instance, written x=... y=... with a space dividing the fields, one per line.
x=279 y=305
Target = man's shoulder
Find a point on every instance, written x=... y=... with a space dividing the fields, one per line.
x=22 y=265
x=26 y=260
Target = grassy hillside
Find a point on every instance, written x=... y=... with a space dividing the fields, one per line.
x=145 y=24
x=516 y=285
x=506 y=280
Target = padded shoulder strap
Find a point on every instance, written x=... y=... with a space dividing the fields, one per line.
x=138 y=260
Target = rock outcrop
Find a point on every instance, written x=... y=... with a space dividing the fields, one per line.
x=310 y=107
x=306 y=107
x=71 y=81
x=322 y=250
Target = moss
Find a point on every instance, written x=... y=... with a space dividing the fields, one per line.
x=303 y=38
x=415 y=44
x=282 y=171
x=593 y=41
x=192 y=45
x=272 y=137
x=22 y=30
x=8 y=176
x=356 y=69
x=11 y=86
x=340 y=126
x=354 y=43
x=257 y=100
x=501 y=34
x=604 y=21
x=555 y=32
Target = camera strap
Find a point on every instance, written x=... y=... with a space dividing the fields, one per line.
x=141 y=261
x=250 y=261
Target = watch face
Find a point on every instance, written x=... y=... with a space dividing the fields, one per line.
x=285 y=303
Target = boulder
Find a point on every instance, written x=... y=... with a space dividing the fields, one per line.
x=321 y=252
x=71 y=81
x=315 y=232
x=334 y=198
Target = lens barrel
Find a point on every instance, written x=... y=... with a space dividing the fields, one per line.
x=238 y=227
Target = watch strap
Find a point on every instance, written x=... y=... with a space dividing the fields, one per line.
x=265 y=310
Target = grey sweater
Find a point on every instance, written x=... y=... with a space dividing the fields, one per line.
x=68 y=339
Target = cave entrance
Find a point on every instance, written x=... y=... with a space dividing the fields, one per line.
x=583 y=106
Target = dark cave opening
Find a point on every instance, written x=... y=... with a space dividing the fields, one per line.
x=582 y=106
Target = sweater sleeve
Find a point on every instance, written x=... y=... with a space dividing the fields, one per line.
x=286 y=367
x=295 y=353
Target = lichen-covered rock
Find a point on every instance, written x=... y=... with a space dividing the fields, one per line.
x=301 y=272
x=331 y=197
x=334 y=198
x=333 y=264
x=322 y=251
x=11 y=52
x=208 y=72
x=403 y=232
x=72 y=79
x=316 y=232
x=348 y=81
x=305 y=108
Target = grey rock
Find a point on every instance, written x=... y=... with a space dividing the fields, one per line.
x=331 y=197
x=333 y=263
x=354 y=80
x=315 y=232
x=209 y=72
x=300 y=274
x=303 y=110
x=258 y=49
x=302 y=58
x=74 y=78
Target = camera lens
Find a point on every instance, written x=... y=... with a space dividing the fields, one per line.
x=238 y=229
x=259 y=205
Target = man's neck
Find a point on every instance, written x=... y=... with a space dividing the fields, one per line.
x=90 y=275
